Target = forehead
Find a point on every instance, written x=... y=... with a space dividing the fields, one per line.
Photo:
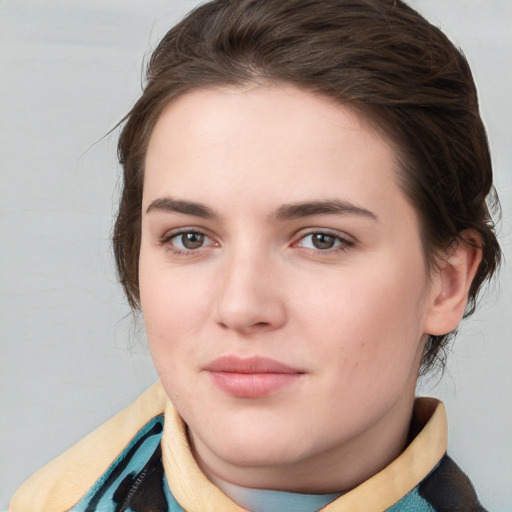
x=226 y=135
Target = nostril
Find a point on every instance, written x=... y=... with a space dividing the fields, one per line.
x=260 y=325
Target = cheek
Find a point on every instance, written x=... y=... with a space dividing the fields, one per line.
x=370 y=323
x=174 y=304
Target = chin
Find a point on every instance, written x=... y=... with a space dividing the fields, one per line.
x=256 y=443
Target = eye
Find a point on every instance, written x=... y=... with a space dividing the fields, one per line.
x=323 y=241
x=187 y=241
x=320 y=241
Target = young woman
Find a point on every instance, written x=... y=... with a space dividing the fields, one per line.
x=303 y=224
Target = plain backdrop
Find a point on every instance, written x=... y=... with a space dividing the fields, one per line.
x=71 y=354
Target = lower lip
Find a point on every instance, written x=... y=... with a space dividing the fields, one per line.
x=252 y=385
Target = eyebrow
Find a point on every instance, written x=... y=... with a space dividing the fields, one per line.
x=284 y=212
x=168 y=204
x=327 y=207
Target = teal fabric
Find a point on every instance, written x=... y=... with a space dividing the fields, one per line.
x=128 y=467
x=412 y=502
x=173 y=505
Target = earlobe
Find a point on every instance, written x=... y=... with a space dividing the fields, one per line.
x=451 y=284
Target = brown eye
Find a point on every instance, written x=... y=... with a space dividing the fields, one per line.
x=186 y=243
x=322 y=241
x=191 y=240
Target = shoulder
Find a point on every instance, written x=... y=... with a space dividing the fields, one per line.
x=59 y=485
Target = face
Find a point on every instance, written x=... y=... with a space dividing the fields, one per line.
x=282 y=284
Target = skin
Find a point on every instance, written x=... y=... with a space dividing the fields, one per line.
x=352 y=318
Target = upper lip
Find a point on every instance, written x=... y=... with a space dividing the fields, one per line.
x=253 y=364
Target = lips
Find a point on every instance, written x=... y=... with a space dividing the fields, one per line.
x=252 y=377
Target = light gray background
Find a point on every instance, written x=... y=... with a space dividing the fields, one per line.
x=70 y=353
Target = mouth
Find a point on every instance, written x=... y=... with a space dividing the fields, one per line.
x=251 y=377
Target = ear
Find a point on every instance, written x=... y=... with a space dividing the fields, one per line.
x=450 y=285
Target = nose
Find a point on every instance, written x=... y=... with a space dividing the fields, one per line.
x=250 y=299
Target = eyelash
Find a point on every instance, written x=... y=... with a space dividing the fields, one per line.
x=167 y=239
x=341 y=243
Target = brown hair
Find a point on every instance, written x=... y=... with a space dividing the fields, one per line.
x=379 y=56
